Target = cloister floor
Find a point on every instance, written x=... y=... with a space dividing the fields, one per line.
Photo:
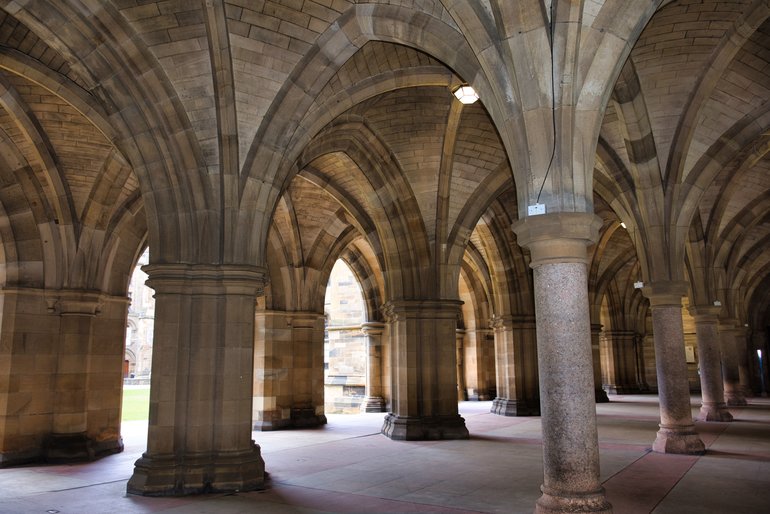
x=348 y=467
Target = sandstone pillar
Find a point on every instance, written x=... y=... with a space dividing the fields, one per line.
x=478 y=362
x=462 y=392
x=28 y=363
x=424 y=367
x=307 y=408
x=713 y=407
x=734 y=395
x=61 y=375
x=677 y=431
x=374 y=401
x=199 y=437
x=88 y=384
x=288 y=370
x=516 y=364
x=621 y=360
x=600 y=395
x=557 y=243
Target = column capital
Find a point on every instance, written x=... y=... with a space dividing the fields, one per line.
x=372 y=328
x=206 y=279
x=728 y=325
x=560 y=237
x=79 y=302
x=397 y=310
x=665 y=293
x=705 y=313
x=509 y=321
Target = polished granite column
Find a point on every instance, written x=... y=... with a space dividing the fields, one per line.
x=728 y=332
x=677 y=430
x=713 y=406
x=558 y=243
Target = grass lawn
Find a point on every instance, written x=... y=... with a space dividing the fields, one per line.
x=136 y=403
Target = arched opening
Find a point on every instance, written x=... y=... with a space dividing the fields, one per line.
x=138 y=350
x=345 y=352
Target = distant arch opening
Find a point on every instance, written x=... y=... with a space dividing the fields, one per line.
x=344 y=343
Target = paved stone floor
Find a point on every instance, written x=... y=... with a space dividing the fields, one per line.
x=348 y=467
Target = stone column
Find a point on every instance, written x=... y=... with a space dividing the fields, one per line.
x=557 y=243
x=424 y=367
x=742 y=347
x=462 y=392
x=307 y=408
x=374 y=401
x=28 y=362
x=288 y=370
x=516 y=363
x=713 y=407
x=199 y=437
x=730 y=375
x=273 y=368
x=677 y=431
x=600 y=395
x=621 y=358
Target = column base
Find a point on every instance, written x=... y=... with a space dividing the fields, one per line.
x=736 y=399
x=373 y=404
x=477 y=396
x=168 y=475
x=616 y=389
x=600 y=396
x=678 y=439
x=306 y=418
x=402 y=428
x=714 y=412
x=508 y=407
x=269 y=426
x=61 y=448
x=562 y=503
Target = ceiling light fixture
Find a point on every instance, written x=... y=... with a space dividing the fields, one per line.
x=466 y=94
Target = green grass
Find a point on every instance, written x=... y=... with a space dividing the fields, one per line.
x=136 y=404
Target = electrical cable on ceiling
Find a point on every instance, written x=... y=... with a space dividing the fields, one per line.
x=552 y=24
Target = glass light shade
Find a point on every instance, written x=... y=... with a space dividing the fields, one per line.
x=466 y=94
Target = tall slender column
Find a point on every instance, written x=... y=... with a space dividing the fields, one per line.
x=424 y=367
x=677 y=431
x=600 y=395
x=462 y=392
x=727 y=337
x=199 y=437
x=374 y=401
x=516 y=364
x=557 y=243
x=621 y=357
x=713 y=407
x=741 y=347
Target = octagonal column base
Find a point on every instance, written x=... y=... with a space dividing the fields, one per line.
x=678 y=439
x=553 y=502
x=373 y=404
x=404 y=428
x=509 y=407
x=736 y=398
x=714 y=412
x=169 y=475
